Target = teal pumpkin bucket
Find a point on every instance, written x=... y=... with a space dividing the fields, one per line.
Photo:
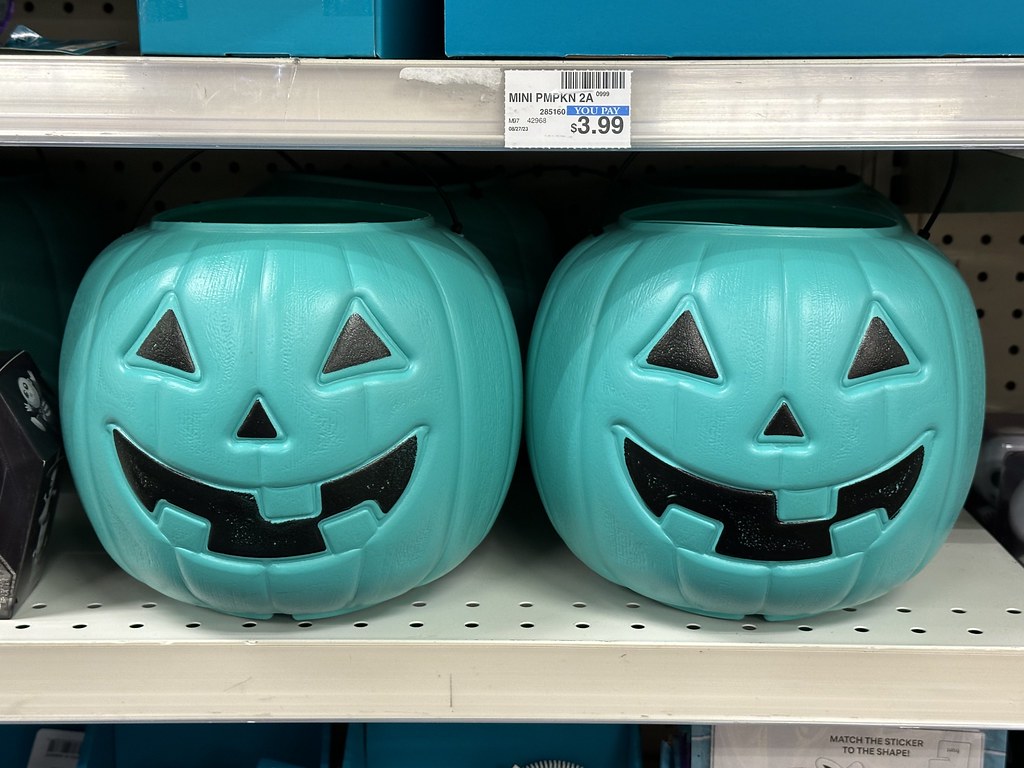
x=508 y=230
x=290 y=406
x=755 y=407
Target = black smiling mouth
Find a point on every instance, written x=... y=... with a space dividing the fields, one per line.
x=236 y=525
x=751 y=526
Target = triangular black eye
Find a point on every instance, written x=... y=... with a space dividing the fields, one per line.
x=682 y=348
x=166 y=345
x=356 y=344
x=878 y=351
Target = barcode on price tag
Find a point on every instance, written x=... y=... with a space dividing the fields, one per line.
x=568 y=109
x=55 y=748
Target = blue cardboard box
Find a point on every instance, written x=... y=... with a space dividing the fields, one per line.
x=733 y=28
x=206 y=745
x=468 y=745
x=314 y=28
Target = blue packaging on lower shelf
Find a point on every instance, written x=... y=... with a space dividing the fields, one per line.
x=482 y=745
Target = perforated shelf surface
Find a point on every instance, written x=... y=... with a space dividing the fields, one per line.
x=521 y=631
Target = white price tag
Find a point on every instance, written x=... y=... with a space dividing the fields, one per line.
x=568 y=108
x=807 y=746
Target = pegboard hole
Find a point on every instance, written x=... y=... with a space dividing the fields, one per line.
x=94 y=606
x=638 y=626
x=361 y=624
x=975 y=631
x=79 y=626
x=1017 y=314
x=136 y=626
x=526 y=605
x=982 y=277
x=249 y=624
x=1013 y=611
x=149 y=605
x=981 y=313
x=904 y=609
x=986 y=239
x=805 y=628
x=1010 y=386
x=527 y=625
x=1014 y=349
x=471 y=625
x=634 y=606
x=693 y=627
x=68 y=7
x=415 y=624
x=861 y=629
x=947 y=239
x=579 y=605
x=39 y=606
x=918 y=630
x=22 y=626
x=419 y=604
x=472 y=604
x=305 y=624
x=28 y=7
x=108 y=8
x=850 y=610
x=957 y=610
x=193 y=625
x=582 y=625
x=1020 y=277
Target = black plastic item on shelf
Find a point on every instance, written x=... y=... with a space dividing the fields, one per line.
x=30 y=460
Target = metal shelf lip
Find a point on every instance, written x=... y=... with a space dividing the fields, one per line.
x=521 y=631
x=458 y=104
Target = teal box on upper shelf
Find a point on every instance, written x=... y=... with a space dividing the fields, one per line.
x=388 y=29
x=733 y=28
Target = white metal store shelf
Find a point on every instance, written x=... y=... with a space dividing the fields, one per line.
x=520 y=632
x=353 y=104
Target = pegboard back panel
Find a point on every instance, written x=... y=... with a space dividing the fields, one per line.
x=82 y=20
x=988 y=249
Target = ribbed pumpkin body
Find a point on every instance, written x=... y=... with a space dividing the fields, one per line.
x=290 y=406
x=755 y=408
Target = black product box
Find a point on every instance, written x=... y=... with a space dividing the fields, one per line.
x=30 y=459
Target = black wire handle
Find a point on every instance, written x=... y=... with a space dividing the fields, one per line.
x=456 y=225
x=926 y=231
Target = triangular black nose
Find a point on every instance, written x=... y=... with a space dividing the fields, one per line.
x=783 y=424
x=257 y=424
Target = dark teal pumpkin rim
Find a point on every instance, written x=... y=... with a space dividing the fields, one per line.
x=760 y=216
x=295 y=214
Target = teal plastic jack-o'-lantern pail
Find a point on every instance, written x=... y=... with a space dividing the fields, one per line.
x=755 y=407
x=290 y=406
